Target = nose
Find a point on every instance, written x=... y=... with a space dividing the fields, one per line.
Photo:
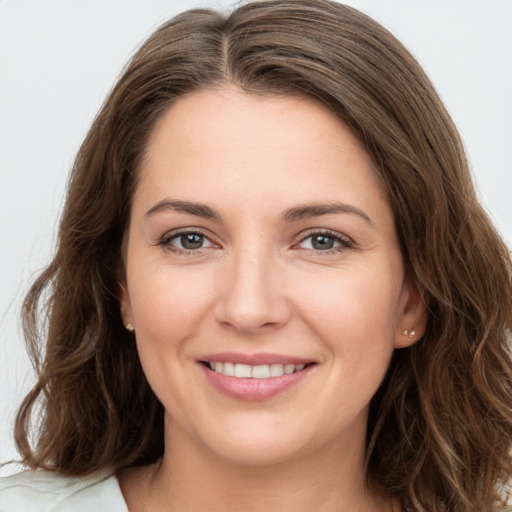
x=252 y=295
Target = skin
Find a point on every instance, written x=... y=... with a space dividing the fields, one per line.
x=259 y=284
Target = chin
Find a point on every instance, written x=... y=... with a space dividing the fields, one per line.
x=259 y=445
x=256 y=454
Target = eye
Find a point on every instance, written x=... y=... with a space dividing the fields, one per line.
x=186 y=241
x=324 y=242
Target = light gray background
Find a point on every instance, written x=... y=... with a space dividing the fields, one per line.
x=58 y=60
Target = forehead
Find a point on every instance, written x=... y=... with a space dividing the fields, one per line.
x=225 y=145
x=230 y=117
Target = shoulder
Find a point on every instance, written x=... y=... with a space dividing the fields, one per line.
x=47 y=491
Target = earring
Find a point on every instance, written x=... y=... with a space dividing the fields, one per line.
x=410 y=334
x=129 y=327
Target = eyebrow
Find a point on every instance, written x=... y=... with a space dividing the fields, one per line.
x=318 y=209
x=201 y=210
x=293 y=214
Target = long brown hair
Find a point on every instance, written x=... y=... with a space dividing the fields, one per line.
x=440 y=428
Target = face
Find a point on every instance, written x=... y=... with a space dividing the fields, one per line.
x=263 y=277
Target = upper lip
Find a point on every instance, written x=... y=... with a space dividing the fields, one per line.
x=253 y=359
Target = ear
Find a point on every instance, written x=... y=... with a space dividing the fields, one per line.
x=124 y=302
x=412 y=320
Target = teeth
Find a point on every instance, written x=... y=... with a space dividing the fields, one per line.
x=263 y=371
x=228 y=369
x=289 y=368
x=260 y=372
x=242 y=370
x=276 y=370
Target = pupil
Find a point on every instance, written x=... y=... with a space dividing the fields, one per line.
x=191 y=241
x=322 y=242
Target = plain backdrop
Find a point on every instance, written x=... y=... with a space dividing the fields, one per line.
x=58 y=60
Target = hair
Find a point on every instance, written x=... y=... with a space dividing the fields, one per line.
x=440 y=425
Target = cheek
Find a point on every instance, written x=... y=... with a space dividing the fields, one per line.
x=350 y=305
x=353 y=317
x=167 y=306
x=167 y=310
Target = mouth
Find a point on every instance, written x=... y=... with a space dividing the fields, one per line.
x=261 y=371
x=254 y=377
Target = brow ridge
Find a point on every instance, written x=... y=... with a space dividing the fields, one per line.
x=318 y=209
x=293 y=214
x=201 y=210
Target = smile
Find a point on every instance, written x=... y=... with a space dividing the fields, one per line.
x=263 y=371
x=266 y=377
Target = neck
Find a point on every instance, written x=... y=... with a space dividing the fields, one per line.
x=193 y=478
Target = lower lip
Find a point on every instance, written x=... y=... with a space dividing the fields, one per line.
x=254 y=389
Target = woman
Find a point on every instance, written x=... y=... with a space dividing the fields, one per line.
x=274 y=286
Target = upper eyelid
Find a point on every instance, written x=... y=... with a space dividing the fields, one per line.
x=323 y=231
x=173 y=233
x=300 y=237
x=165 y=242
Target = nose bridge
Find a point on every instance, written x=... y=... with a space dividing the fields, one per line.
x=252 y=295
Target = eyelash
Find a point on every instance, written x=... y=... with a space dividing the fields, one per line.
x=345 y=242
x=165 y=242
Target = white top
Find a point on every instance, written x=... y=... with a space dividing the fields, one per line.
x=45 y=491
